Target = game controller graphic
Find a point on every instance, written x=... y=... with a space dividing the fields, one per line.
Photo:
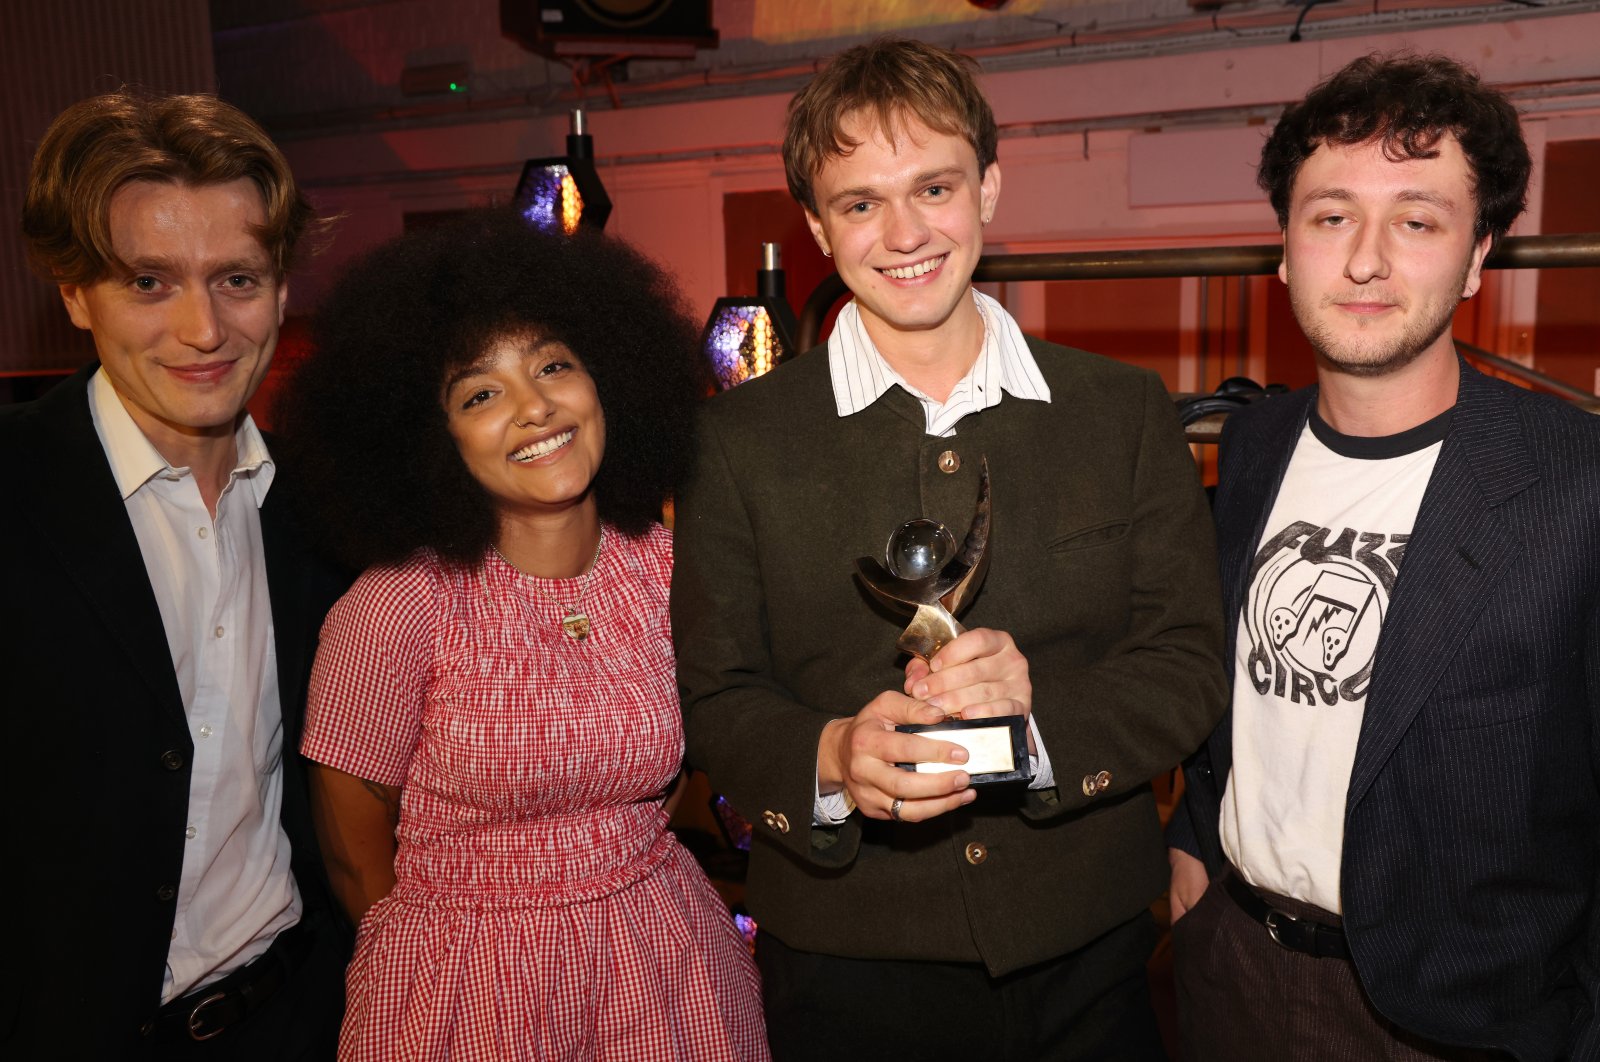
x=1333 y=605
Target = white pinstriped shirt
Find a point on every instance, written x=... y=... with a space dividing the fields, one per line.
x=861 y=376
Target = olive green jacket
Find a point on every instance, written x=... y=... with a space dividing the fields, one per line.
x=1102 y=569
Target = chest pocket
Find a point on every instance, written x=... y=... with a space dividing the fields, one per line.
x=1076 y=587
x=1096 y=535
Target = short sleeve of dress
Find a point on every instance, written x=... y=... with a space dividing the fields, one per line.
x=364 y=709
x=657 y=556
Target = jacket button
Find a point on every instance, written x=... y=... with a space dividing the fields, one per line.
x=770 y=819
x=782 y=822
x=172 y=760
x=949 y=462
x=1090 y=786
x=165 y=893
x=1102 y=781
x=976 y=853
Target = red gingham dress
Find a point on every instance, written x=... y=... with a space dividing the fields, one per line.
x=542 y=910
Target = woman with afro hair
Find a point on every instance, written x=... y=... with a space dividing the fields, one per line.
x=490 y=422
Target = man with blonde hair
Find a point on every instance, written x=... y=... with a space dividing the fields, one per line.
x=906 y=914
x=161 y=614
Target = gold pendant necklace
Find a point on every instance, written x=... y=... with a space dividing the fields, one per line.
x=576 y=622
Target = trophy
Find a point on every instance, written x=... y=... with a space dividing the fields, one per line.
x=925 y=575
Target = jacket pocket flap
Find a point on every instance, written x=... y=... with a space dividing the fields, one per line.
x=1100 y=534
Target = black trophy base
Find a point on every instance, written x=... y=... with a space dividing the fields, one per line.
x=997 y=748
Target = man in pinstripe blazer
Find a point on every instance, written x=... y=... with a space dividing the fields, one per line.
x=1389 y=845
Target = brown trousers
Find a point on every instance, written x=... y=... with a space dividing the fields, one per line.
x=1241 y=996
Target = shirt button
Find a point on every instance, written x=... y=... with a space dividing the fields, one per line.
x=205 y=729
x=190 y=832
x=218 y=631
x=172 y=760
x=976 y=853
x=949 y=462
x=202 y=532
x=165 y=893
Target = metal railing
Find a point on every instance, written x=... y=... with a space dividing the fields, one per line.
x=1567 y=251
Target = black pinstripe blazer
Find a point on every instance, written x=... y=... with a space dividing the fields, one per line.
x=1472 y=825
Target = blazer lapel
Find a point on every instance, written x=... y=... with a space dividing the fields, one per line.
x=1459 y=551
x=287 y=589
x=1241 y=518
x=82 y=517
x=1252 y=491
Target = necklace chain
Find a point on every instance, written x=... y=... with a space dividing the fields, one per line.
x=576 y=622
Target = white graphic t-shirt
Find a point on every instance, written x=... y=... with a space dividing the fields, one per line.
x=1317 y=593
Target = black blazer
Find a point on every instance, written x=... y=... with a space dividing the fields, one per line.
x=96 y=791
x=1472 y=822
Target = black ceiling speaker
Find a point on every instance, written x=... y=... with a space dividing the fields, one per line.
x=652 y=28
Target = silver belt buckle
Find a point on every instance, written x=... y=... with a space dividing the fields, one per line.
x=195 y=1019
x=1273 y=914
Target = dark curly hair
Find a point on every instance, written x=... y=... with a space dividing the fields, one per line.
x=362 y=422
x=1409 y=102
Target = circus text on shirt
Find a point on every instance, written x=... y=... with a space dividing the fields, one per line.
x=1314 y=610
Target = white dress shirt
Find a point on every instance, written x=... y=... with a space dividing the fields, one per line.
x=860 y=376
x=236 y=892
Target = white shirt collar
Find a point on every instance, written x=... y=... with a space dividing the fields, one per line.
x=135 y=461
x=861 y=375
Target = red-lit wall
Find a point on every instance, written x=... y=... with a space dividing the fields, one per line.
x=699 y=185
x=1142 y=151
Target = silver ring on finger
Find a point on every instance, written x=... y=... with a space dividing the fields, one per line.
x=894 y=809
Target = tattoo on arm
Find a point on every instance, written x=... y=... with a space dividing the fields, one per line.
x=386 y=795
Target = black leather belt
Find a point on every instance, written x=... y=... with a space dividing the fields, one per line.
x=1317 y=939
x=210 y=1009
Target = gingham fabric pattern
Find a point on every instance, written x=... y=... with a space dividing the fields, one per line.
x=542 y=909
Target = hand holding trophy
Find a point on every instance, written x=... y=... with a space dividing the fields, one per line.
x=924 y=574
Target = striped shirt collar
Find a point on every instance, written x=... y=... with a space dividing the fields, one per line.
x=135 y=461
x=1005 y=364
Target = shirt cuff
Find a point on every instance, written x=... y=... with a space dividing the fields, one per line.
x=1044 y=776
x=830 y=810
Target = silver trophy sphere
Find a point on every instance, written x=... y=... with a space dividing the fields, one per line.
x=918 y=548
x=924 y=574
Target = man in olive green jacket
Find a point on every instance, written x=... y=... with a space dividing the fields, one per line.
x=910 y=913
